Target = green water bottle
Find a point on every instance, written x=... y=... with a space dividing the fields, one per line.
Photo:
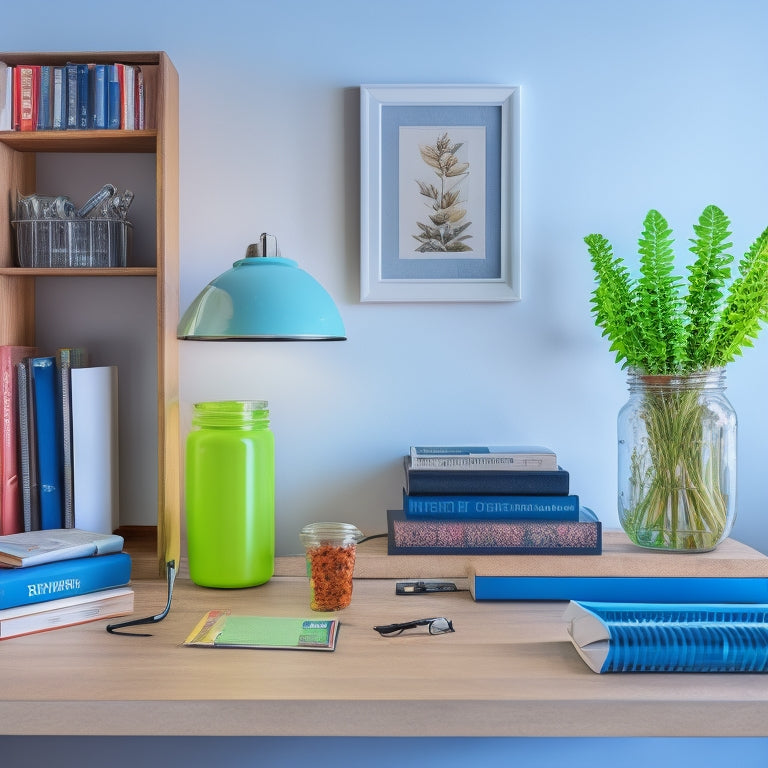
x=230 y=494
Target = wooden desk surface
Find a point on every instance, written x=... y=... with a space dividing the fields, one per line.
x=508 y=670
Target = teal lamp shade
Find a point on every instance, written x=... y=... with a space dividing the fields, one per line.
x=263 y=298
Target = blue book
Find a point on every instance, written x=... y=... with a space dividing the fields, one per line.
x=98 y=75
x=492 y=507
x=44 y=103
x=469 y=481
x=83 y=87
x=71 y=110
x=646 y=637
x=114 y=104
x=59 y=98
x=24 y=586
x=44 y=377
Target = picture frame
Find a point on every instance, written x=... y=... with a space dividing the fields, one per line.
x=440 y=193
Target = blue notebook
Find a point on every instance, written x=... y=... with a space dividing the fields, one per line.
x=670 y=637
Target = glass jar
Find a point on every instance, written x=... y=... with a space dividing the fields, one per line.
x=677 y=461
x=230 y=494
x=330 y=549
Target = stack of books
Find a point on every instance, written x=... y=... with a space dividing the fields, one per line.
x=59 y=450
x=53 y=579
x=490 y=500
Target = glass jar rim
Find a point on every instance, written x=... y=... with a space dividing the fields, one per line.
x=331 y=532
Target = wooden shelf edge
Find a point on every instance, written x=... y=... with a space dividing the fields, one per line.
x=78 y=271
x=83 y=141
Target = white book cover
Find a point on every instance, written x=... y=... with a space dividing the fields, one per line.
x=6 y=75
x=95 y=448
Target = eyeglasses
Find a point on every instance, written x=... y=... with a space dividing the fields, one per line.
x=114 y=629
x=437 y=626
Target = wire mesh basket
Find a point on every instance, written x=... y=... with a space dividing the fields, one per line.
x=73 y=242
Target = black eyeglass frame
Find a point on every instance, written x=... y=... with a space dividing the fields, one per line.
x=392 y=630
x=170 y=567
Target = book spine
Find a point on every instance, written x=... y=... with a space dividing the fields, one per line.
x=484 y=462
x=139 y=106
x=485 y=537
x=59 y=98
x=6 y=97
x=25 y=586
x=71 y=71
x=11 y=517
x=98 y=75
x=28 y=97
x=113 y=97
x=492 y=507
x=44 y=108
x=83 y=110
x=95 y=448
x=27 y=458
x=49 y=459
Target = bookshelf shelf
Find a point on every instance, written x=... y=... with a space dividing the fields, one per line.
x=31 y=307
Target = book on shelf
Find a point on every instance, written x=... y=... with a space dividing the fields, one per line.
x=493 y=537
x=31 y=548
x=68 y=358
x=48 y=441
x=492 y=506
x=532 y=482
x=28 y=477
x=223 y=629
x=64 y=578
x=40 y=97
x=11 y=516
x=733 y=573
x=65 y=612
x=669 y=637
x=483 y=458
x=95 y=448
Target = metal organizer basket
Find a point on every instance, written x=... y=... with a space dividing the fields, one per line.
x=94 y=242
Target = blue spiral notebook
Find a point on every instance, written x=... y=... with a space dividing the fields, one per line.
x=646 y=637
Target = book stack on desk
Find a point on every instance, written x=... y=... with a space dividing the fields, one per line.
x=486 y=500
x=57 y=578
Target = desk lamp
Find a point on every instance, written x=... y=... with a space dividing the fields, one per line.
x=264 y=297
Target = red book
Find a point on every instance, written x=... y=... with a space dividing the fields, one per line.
x=11 y=517
x=28 y=76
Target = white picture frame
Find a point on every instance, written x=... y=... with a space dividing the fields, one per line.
x=440 y=193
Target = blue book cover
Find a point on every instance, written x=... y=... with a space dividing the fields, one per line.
x=44 y=103
x=59 y=98
x=113 y=98
x=693 y=589
x=98 y=76
x=83 y=109
x=468 y=481
x=71 y=111
x=491 y=507
x=646 y=637
x=48 y=439
x=24 y=586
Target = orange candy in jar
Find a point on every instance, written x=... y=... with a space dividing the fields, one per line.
x=330 y=550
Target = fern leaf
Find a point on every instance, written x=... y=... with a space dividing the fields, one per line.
x=746 y=307
x=657 y=297
x=706 y=284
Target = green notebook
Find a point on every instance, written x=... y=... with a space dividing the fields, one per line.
x=222 y=629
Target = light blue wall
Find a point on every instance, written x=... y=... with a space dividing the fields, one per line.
x=626 y=106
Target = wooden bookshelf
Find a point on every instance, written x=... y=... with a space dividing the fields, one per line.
x=20 y=155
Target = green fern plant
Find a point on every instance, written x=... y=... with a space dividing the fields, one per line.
x=663 y=325
x=670 y=332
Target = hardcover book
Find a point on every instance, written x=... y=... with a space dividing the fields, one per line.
x=24 y=586
x=223 y=629
x=30 y=495
x=95 y=448
x=501 y=507
x=483 y=458
x=646 y=637
x=65 y=612
x=532 y=482
x=11 y=516
x=48 y=440
x=493 y=537
x=22 y=550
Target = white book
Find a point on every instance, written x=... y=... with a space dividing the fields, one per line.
x=95 y=448
x=65 y=612
x=6 y=100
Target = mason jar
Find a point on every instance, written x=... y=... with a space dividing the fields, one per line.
x=677 y=461
x=230 y=494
